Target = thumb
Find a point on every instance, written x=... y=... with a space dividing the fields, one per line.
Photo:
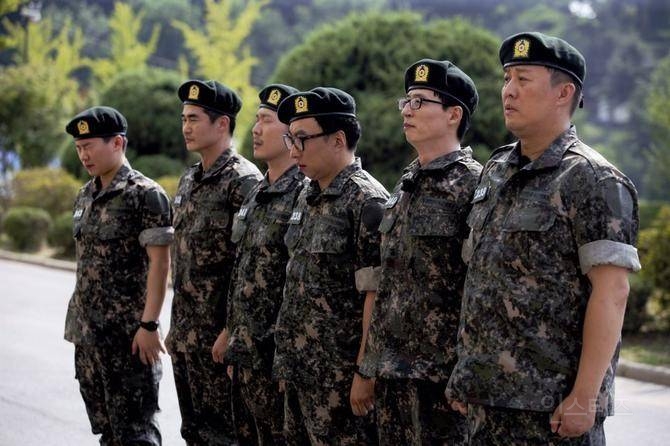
x=134 y=346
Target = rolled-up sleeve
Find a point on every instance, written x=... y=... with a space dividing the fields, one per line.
x=606 y=225
x=157 y=236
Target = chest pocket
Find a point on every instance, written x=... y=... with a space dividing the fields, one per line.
x=532 y=217
x=115 y=231
x=434 y=221
x=330 y=236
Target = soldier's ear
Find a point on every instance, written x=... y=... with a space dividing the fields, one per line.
x=340 y=140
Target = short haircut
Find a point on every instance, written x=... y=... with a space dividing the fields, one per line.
x=447 y=102
x=560 y=77
x=107 y=139
x=214 y=115
x=348 y=124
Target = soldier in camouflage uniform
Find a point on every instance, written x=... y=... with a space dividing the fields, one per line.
x=122 y=227
x=553 y=228
x=258 y=276
x=412 y=339
x=332 y=273
x=208 y=195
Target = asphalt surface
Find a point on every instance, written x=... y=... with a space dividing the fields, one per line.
x=39 y=397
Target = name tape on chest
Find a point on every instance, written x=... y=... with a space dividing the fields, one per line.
x=480 y=194
x=78 y=213
x=177 y=200
x=242 y=213
x=296 y=218
x=393 y=199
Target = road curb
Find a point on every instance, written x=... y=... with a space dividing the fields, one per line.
x=37 y=260
x=644 y=372
x=626 y=369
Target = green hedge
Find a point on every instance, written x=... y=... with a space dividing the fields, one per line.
x=53 y=190
x=26 y=227
x=60 y=235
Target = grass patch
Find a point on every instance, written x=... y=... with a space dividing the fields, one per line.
x=647 y=348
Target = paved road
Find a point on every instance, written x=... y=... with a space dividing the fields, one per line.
x=39 y=398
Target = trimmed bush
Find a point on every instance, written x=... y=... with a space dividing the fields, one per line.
x=156 y=166
x=53 y=190
x=169 y=183
x=26 y=227
x=60 y=235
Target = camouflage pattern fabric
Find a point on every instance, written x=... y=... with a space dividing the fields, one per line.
x=203 y=254
x=204 y=392
x=111 y=227
x=492 y=426
x=120 y=393
x=333 y=245
x=537 y=228
x=321 y=415
x=261 y=399
x=417 y=309
x=202 y=259
x=415 y=412
x=256 y=294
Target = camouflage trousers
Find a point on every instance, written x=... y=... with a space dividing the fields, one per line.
x=497 y=426
x=415 y=412
x=264 y=403
x=321 y=415
x=204 y=393
x=120 y=394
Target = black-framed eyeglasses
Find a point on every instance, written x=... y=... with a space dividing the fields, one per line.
x=414 y=103
x=298 y=142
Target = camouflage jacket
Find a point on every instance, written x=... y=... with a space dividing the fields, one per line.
x=203 y=254
x=112 y=227
x=537 y=229
x=417 y=309
x=260 y=269
x=333 y=244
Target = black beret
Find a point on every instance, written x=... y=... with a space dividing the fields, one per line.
x=211 y=95
x=319 y=101
x=97 y=122
x=533 y=48
x=272 y=95
x=443 y=77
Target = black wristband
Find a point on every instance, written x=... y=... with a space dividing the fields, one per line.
x=149 y=326
x=360 y=373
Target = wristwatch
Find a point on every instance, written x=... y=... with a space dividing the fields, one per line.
x=360 y=373
x=149 y=326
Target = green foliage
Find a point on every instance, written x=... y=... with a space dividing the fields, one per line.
x=170 y=184
x=29 y=114
x=658 y=115
x=26 y=227
x=381 y=47
x=155 y=166
x=648 y=212
x=128 y=53
x=654 y=244
x=60 y=235
x=52 y=190
x=148 y=100
x=7 y=6
x=220 y=53
x=636 y=307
